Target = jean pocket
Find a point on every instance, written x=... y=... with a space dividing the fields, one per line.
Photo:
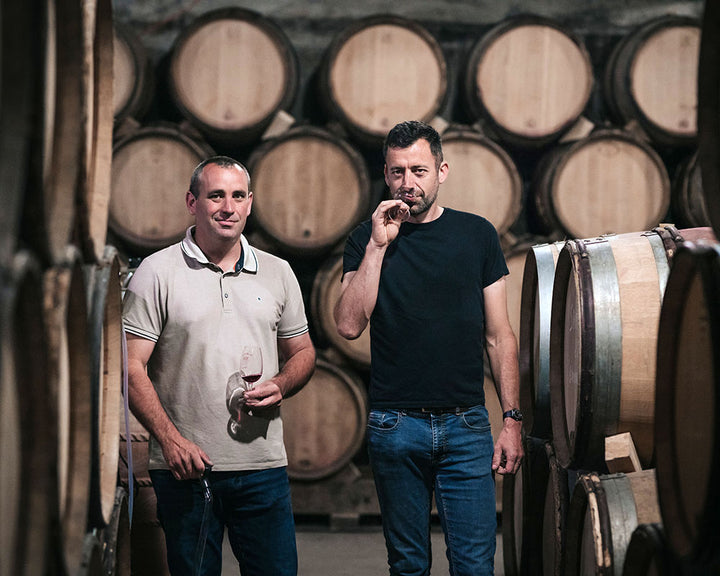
x=383 y=419
x=477 y=419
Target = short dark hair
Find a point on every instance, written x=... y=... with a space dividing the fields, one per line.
x=405 y=134
x=223 y=162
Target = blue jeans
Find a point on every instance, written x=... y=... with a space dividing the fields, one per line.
x=415 y=454
x=254 y=505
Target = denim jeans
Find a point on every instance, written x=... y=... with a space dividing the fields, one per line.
x=414 y=454
x=254 y=505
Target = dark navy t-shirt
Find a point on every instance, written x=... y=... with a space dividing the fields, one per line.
x=427 y=329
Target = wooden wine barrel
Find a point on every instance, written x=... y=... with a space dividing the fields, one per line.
x=28 y=450
x=687 y=403
x=105 y=331
x=603 y=514
x=607 y=294
x=687 y=203
x=482 y=179
x=20 y=74
x=379 y=71
x=116 y=537
x=651 y=78
x=133 y=75
x=708 y=114
x=324 y=424
x=534 y=337
x=97 y=95
x=523 y=510
x=59 y=110
x=68 y=353
x=324 y=296
x=92 y=553
x=557 y=500
x=608 y=182
x=311 y=214
x=530 y=78
x=648 y=554
x=230 y=72
x=151 y=170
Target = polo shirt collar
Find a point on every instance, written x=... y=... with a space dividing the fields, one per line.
x=191 y=249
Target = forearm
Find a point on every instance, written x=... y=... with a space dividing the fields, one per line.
x=503 y=357
x=146 y=406
x=359 y=295
x=296 y=372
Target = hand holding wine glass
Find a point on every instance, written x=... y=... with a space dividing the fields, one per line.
x=251 y=369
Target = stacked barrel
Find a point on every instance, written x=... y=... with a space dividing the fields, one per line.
x=60 y=355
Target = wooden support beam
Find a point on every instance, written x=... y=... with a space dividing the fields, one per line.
x=620 y=454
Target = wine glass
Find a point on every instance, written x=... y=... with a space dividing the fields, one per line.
x=251 y=368
x=251 y=365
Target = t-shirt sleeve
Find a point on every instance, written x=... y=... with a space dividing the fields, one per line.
x=142 y=313
x=495 y=265
x=355 y=248
x=293 y=321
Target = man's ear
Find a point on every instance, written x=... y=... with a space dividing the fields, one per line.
x=443 y=172
x=190 y=202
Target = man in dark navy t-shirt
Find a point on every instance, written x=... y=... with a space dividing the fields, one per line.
x=430 y=282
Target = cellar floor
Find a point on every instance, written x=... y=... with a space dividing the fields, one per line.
x=358 y=551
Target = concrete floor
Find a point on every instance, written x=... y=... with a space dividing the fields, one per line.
x=359 y=552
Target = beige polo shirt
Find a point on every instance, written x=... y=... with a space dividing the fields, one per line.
x=199 y=318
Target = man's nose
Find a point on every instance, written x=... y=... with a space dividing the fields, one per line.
x=228 y=204
x=408 y=180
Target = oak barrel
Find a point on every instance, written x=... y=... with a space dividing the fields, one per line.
x=379 y=71
x=151 y=170
x=70 y=420
x=530 y=79
x=230 y=72
x=311 y=214
x=133 y=75
x=557 y=500
x=607 y=182
x=607 y=294
x=651 y=79
x=708 y=114
x=648 y=554
x=688 y=203
x=59 y=111
x=483 y=179
x=20 y=72
x=28 y=475
x=534 y=337
x=92 y=553
x=688 y=403
x=116 y=537
x=105 y=332
x=97 y=95
x=523 y=511
x=324 y=424
x=604 y=512
x=324 y=296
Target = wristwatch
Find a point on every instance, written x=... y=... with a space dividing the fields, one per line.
x=513 y=413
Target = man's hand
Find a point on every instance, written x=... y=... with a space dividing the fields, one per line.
x=263 y=395
x=508 y=448
x=386 y=221
x=185 y=459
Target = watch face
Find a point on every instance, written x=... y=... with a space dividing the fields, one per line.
x=514 y=413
